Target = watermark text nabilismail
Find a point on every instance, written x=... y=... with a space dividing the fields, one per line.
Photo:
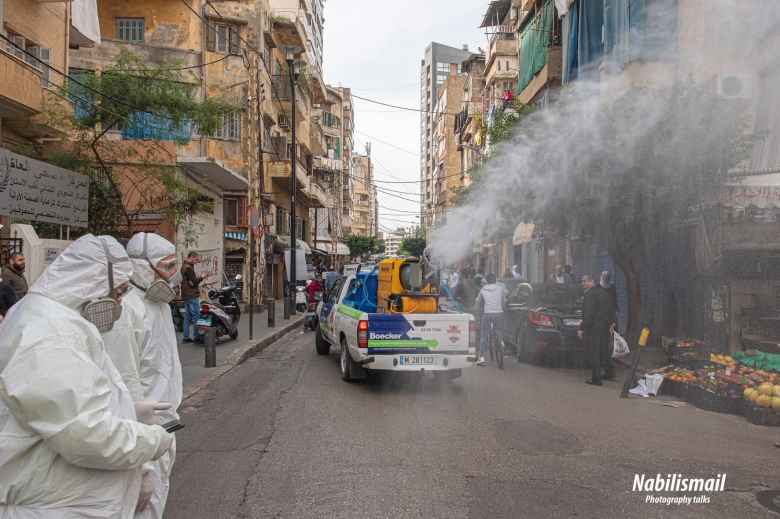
x=677 y=483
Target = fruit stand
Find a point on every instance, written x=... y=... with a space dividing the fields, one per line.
x=746 y=384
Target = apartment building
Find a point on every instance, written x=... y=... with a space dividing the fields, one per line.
x=393 y=240
x=468 y=123
x=445 y=145
x=439 y=61
x=364 y=223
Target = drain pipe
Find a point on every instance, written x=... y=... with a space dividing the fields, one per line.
x=203 y=39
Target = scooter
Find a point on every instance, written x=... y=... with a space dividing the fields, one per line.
x=177 y=312
x=301 y=298
x=311 y=312
x=221 y=312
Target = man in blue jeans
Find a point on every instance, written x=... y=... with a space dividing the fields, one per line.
x=190 y=294
x=494 y=298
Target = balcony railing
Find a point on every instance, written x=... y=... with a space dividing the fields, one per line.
x=282 y=91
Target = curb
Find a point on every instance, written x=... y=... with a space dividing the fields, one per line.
x=240 y=355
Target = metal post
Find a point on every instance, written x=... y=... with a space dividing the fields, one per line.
x=210 y=341
x=272 y=314
x=251 y=281
x=293 y=189
x=635 y=362
x=286 y=307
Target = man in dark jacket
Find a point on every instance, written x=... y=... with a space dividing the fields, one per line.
x=597 y=319
x=190 y=294
x=7 y=298
x=13 y=274
x=466 y=292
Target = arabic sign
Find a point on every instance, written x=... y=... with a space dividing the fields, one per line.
x=49 y=255
x=33 y=190
x=207 y=266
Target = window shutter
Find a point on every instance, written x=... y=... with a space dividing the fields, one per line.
x=211 y=37
x=243 y=217
x=46 y=58
x=233 y=38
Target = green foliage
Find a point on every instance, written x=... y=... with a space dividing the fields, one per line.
x=412 y=246
x=361 y=246
x=381 y=248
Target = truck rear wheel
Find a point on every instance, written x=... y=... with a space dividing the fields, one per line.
x=322 y=346
x=346 y=362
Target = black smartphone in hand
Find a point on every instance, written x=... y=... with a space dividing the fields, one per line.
x=173 y=425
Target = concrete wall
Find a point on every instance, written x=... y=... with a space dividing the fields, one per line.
x=35 y=250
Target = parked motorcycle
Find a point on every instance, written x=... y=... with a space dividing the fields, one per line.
x=221 y=312
x=311 y=312
x=301 y=298
x=177 y=312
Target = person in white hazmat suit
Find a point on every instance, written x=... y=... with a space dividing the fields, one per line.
x=70 y=445
x=156 y=272
x=125 y=344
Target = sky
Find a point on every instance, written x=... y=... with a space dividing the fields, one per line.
x=375 y=48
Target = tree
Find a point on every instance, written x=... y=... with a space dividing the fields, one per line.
x=412 y=246
x=141 y=177
x=621 y=172
x=361 y=246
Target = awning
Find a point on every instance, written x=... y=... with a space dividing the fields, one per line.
x=341 y=249
x=319 y=252
x=524 y=233
x=761 y=191
x=236 y=236
x=301 y=244
x=495 y=13
x=213 y=171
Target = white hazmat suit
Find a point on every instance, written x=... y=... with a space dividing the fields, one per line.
x=69 y=442
x=160 y=368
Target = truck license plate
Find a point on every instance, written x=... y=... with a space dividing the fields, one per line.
x=417 y=359
x=572 y=322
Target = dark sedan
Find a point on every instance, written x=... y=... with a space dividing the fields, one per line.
x=542 y=319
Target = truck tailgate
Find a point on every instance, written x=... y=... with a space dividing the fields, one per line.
x=423 y=333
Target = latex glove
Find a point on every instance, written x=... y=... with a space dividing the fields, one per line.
x=146 y=493
x=145 y=412
x=579 y=334
x=166 y=440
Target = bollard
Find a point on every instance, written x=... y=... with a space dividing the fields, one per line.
x=210 y=340
x=286 y=307
x=635 y=362
x=271 y=314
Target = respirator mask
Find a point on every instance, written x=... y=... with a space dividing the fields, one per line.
x=161 y=290
x=104 y=312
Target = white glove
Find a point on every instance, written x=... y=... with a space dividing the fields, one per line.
x=166 y=440
x=146 y=493
x=145 y=412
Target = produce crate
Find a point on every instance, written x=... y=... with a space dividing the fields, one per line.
x=707 y=401
x=761 y=415
x=671 y=388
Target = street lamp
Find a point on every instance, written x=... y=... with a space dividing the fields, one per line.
x=294 y=67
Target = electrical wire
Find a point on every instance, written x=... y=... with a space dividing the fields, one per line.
x=394 y=88
x=223 y=58
x=401 y=107
x=388 y=144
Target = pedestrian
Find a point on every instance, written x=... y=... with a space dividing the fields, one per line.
x=507 y=274
x=479 y=277
x=7 y=298
x=493 y=297
x=454 y=280
x=314 y=287
x=190 y=294
x=466 y=292
x=70 y=442
x=606 y=284
x=569 y=272
x=559 y=276
x=13 y=274
x=331 y=276
x=156 y=272
x=597 y=322
x=516 y=272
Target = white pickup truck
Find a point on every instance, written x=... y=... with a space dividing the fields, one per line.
x=437 y=342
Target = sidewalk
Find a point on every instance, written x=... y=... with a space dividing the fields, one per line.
x=652 y=358
x=193 y=356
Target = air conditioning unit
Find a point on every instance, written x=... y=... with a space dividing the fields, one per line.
x=284 y=123
x=734 y=86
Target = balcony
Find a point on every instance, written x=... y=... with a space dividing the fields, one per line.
x=324 y=163
x=21 y=93
x=317 y=194
x=552 y=70
x=282 y=96
x=317 y=139
x=501 y=44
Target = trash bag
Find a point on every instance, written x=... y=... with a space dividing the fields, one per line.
x=640 y=389
x=619 y=345
x=653 y=383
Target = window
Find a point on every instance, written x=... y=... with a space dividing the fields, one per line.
x=145 y=126
x=130 y=29
x=230 y=130
x=44 y=59
x=334 y=292
x=16 y=46
x=442 y=68
x=223 y=38
x=236 y=212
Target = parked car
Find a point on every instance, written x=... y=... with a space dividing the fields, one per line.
x=541 y=321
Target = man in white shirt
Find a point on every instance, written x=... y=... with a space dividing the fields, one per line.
x=559 y=276
x=493 y=297
x=454 y=278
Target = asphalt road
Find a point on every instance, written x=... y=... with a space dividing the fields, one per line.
x=282 y=436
